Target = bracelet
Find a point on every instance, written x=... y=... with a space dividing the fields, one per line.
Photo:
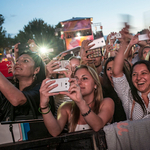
x=45 y=108
x=87 y=112
x=105 y=58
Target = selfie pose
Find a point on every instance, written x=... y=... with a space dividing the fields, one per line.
x=88 y=110
x=21 y=101
x=135 y=94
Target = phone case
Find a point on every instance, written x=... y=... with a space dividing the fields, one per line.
x=63 y=64
x=63 y=85
x=143 y=37
x=4 y=68
x=97 y=53
x=117 y=36
x=100 y=42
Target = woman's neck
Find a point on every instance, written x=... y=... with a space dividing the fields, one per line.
x=24 y=83
x=89 y=98
x=145 y=98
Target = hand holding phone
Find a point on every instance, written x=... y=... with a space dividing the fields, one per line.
x=63 y=85
x=62 y=64
x=143 y=37
x=100 y=42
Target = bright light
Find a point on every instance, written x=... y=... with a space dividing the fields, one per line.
x=78 y=34
x=43 y=49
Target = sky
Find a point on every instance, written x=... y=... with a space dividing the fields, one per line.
x=110 y=13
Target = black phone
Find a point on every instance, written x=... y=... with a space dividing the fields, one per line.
x=23 y=48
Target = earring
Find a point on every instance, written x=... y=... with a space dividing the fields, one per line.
x=34 y=77
x=95 y=88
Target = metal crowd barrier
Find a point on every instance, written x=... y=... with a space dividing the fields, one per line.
x=82 y=140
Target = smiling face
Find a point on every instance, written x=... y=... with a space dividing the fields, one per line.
x=85 y=81
x=24 y=66
x=141 y=78
x=109 y=68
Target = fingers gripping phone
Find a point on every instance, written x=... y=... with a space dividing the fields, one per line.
x=63 y=85
x=100 y=42
x=63 y=64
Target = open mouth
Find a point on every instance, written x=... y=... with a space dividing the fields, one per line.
x=17 y=68
x=140 y=83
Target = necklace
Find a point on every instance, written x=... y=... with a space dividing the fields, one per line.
x=91 y=102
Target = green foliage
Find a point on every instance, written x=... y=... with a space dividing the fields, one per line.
x=2 y=33
x=43 y=35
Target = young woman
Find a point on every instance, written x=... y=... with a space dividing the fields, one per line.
x=135 y=95
x=88 y=108
x=108 y=90
x=22 y=100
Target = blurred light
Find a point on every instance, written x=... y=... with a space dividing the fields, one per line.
x=78 y=34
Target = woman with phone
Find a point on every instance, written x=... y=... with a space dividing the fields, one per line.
x=135 y=93
x=88 y=110
x=20 y=101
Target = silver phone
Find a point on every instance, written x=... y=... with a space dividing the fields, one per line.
x=63 y=85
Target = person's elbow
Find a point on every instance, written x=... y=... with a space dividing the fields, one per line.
x=18 y=101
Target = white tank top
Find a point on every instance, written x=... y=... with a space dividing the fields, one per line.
x=81 y=127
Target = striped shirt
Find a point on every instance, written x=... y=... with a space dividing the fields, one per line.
x=123 y=90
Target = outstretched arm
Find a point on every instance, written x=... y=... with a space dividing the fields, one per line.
x=54 y=126
x=119 y=61
x=13 y=95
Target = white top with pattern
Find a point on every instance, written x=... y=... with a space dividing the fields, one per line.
x=123 y=90
x=81 y=127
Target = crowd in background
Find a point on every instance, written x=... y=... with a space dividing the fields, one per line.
x=110 y=87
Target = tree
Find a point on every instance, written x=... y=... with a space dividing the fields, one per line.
x=42 y=33
x=2 y=33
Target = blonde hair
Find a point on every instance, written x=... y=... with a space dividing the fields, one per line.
x=98 y=97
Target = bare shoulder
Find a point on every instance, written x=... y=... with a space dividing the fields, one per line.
x=66 y=105
x=107 y=102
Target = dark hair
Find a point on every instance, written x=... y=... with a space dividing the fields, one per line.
x=108 y=91
x=135 y=95
x=126 y=70
x=40 y=76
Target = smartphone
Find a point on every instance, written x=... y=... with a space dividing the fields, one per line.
x=143 y=37
x=100 y=42
x=63 y=85
x=96 y=53
x=23 y=48
x=117 y=36
x=63 y=64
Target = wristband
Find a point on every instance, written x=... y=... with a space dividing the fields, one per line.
x=85 y=114
x=45 y=108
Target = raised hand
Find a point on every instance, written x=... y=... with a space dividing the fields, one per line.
x=50 y=67
x=74 y=91
x=44 y=92
x=85 y=47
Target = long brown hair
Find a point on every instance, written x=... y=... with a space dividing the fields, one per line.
x=98 y=97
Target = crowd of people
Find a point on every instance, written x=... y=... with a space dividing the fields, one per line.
x=111 y=87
